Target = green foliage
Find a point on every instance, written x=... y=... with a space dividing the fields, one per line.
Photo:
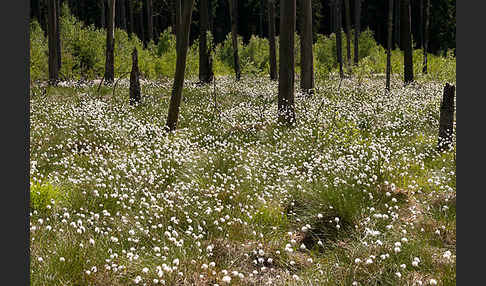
x=38 y=52
x=325 y=50
x=41 y=195
x=83 y=54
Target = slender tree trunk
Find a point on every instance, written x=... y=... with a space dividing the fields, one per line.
x=130 y=17
x=286 y=113
x=390 y=34
x=233 y=7
x=426 y=35
x=347 y=11
x=123 y=15
x=141 y=24
x=271 y=36
x=110 y=44
x=357 y=22
x=102 y=14
x=205 y=67
x=183 y=19
x=172 y=5
x=134 y=80
x=332 y=16
x=421 y=25
x=149 y=18
x=52 y=42
x=58 y=34
x=446 y=120
x=397 y=24
x=306 y=55
x=37 y=11
x=339 y=40
x=45 y=17
x=406 y=41
x=262 y=17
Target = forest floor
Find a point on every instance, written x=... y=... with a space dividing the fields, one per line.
x=354 y=193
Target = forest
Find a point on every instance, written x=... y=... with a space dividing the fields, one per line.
x=257 y=142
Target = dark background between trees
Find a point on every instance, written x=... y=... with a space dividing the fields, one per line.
x=131 y=15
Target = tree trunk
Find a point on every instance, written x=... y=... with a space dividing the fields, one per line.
x=306 y=55
x=233 y=7
x=102 y=14
x=58 y=34
x=421 y=25
x=271 y=36
x=446 y=120
x=141 y=24
x=390 y=34
x=110 y=44
x=397 y=24
x=183 y=20
x=52 y=42
x=37 y=11
x=205 y=66
x=339 y=40
x=406 y=41
x=123 y=15
x=172 y=8
x=347 y=12
x=130 y=25
x=357 y=27
x=149 y=18
x=426 y=35
x=134 y=80
x=286 y=113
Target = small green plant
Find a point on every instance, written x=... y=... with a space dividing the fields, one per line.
x=41 y=195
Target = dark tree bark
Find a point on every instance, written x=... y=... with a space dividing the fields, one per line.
x=286 y=113
x=262 y=18
x=420 y=42
x=347 y=12
x=149 y=18
x=406 y=40
x=123 y=15
x=52 y=42
x=130 y=25
x=306 y=55
x=271 y=36
x=102 y=13
x=397 y=24
x=183 y=20
x=233 y=7
x=110 y=43
x=58 y=34
x=446 y=119
x=141 y=23
x=426 y=35
x=339 y=40
x=134 y=80
x=205 y=65
x=172 y=8
x=37 y=11
x=388 y=51
x=357 y=27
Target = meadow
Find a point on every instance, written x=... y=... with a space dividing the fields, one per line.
x=354 y=193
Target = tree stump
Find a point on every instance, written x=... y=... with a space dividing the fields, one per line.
x=446 y=120
x=134 y=80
